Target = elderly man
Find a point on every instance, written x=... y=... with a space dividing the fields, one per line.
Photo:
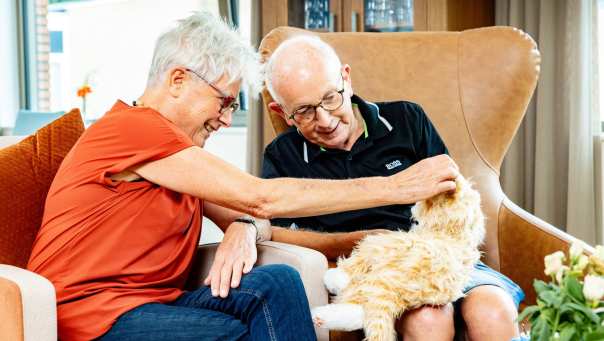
x=122 y=218
x=338 y=135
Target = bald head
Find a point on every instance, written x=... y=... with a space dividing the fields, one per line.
x=299 y=62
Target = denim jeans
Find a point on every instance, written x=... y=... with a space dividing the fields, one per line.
x=269 y=304
x=484 y=275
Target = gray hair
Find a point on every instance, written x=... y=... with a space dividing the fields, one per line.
x=331 y=59
x=209 y=46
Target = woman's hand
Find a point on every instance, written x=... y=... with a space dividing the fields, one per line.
x=236 y=255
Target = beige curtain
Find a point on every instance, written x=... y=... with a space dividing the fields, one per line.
x=550 y=168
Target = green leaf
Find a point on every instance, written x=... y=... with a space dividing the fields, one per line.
x=574 y=289
x=540 y=330
x=540 y=286
x=546 y=333
x=536 y=327
x=547 y=297
x=527 y=312
x=551 y=298
x=586 y=311
x=567 y=333
x=567 y=312
x=566 y=307
x=594 y=336
x=548 y=314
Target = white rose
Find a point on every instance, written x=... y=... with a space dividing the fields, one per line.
x=553 y=262
x=576 y=249
x=561 y=273
x=581 y=263
x=593 y=287
x=599 y=252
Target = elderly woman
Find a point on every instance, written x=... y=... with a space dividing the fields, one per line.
x=123 y=216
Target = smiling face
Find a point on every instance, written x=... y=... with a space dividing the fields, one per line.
x=303 y=77
x=197 y=104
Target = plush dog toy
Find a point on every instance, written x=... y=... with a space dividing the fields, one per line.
x=392 y=272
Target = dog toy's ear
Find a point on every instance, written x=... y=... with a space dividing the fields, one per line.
x=419 y=209
x=466 y=189
x=462 y=184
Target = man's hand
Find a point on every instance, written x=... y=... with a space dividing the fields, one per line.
x=236 y=255
x=427 y=178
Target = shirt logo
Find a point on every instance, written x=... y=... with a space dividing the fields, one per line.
x=393 y=164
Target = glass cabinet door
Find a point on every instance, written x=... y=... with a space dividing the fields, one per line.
x=388 y=15
x=315 y=15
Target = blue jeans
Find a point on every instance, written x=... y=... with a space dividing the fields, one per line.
x=484 y=275
x=269 y=304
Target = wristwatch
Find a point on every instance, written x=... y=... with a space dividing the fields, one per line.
x=263 y=227
x=251 y=221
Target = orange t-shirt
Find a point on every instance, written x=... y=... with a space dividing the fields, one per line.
x=110 y=246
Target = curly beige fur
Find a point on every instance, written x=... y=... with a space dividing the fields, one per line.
x=390 y=273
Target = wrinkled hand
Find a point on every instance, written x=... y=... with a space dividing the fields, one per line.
x=428 y=178
x=236 y=255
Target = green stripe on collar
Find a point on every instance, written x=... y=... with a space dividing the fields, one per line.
x=365 y=131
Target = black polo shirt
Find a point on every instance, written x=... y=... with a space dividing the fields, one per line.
x=397 y=135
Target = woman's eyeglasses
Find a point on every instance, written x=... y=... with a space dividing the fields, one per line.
x=228 y=102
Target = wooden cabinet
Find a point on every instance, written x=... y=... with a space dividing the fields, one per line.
x=364 y=15
x=452 y=15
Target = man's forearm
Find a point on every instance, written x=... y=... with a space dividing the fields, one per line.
x=332 y=245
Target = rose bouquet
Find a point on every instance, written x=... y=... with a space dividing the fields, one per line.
x=570 y=306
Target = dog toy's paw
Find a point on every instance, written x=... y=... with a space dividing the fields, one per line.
x=336 y=280
x=343 y=316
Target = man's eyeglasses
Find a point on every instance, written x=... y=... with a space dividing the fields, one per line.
x=332 y=101
x=228 y=102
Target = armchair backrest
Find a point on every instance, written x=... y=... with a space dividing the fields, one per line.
x=474 y=85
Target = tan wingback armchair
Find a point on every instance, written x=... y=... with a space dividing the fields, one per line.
x=475 y=86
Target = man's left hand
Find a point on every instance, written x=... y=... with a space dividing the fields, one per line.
x=236 y=255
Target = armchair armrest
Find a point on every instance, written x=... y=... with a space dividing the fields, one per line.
x=28 y=308
x=523 y=242
x=310 y=264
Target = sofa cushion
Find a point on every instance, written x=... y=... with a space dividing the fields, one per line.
x=27 y=170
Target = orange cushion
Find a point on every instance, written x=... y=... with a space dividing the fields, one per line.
x=26 y=172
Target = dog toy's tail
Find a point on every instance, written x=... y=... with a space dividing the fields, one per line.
x=379 y=324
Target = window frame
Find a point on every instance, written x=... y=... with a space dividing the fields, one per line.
x=28 y=73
